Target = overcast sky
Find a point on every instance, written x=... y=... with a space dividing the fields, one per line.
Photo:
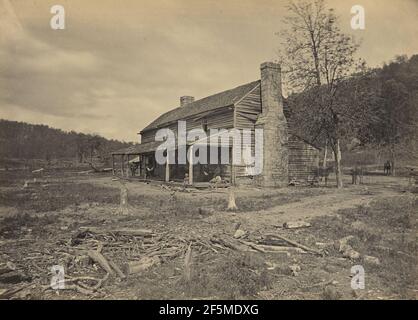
x=120 y=64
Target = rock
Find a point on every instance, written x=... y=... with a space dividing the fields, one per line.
x=206 y=211
x=271 y=265
x=351 y=253
x=239 y=233
x=10 y=265
x=346 y=249
x=295 y=268
x=344 y=241
x=371 y=260
x=236 y=226
x=330 y=293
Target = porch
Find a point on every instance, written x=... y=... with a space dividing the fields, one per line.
x=139 y=163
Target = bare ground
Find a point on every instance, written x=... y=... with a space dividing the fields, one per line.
x=45 y=224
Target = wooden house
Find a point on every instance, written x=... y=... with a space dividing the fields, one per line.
x=258 y=104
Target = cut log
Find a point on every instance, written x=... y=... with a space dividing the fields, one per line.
x=134 y=232
x=14 y=277
x=229 y=243
x=142 y=265
x=253 y=246
x=117 y=269
x=296 y=224
x=97 y=257
x=298 y=245
x=267 y=248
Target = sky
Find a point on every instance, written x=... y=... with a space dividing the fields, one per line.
x=118 y=65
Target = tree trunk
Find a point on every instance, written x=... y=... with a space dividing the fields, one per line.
x=324 y=163
x=338 y=171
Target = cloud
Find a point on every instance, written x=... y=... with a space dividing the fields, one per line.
x=115 y=68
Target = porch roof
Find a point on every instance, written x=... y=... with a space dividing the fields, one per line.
x=139 y=148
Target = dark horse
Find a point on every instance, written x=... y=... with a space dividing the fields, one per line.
x=324 y=173
x=387 y=168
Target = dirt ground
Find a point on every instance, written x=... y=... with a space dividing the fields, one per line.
x=189 y=249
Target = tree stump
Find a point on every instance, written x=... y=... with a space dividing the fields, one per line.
x=231 y=202
x=188 y=264
x=123 y=207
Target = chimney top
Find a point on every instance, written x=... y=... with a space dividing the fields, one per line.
x=184 y=100
x=270 y=64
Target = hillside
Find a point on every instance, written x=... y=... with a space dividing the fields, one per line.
x=23 y=141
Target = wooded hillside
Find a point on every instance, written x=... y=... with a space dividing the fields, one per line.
x=382 y=104
x=20 y=140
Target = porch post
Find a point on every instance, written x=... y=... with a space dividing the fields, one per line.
x=113 y=164
x=127 y=166
x=167 y=168
x=144 y=165
x=190 y=158
x=122 y=165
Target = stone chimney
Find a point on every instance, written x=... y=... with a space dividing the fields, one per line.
x=274 y=125
x=186 y=100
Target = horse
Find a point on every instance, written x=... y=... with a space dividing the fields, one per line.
x=387 y=168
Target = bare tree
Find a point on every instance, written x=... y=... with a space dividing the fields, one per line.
x=317 y=56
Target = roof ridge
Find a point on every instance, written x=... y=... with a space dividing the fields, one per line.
x=215 y=101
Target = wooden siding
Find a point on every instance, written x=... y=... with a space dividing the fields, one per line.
x=246 y=114
x=303 y=159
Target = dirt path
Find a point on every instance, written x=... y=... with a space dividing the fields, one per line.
x=305 y=208
x=315 y=206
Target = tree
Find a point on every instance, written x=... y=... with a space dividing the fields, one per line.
x=316 y=58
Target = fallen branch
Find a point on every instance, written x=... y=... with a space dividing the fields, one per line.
x=296 y=244
x=123 y=231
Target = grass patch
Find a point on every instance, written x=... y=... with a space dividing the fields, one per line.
x=57 y=196
x=236 y=276
x=386 y=230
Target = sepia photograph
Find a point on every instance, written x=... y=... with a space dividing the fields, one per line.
x=208 y=155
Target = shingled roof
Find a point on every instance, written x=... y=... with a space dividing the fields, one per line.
x=139 y=148
x=216 y=101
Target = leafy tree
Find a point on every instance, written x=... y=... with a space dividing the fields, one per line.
x=317 y=57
